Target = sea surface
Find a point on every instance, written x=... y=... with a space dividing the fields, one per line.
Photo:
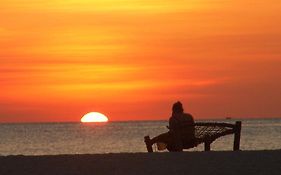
x=120 y=137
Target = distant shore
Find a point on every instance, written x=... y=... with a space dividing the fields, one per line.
x=185 y=163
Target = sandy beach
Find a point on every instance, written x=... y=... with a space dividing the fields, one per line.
x=199 y=163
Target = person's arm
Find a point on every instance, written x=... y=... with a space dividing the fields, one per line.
x=190 y=119
x=172 y=124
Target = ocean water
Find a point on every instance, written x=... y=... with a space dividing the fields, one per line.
x=116 y=137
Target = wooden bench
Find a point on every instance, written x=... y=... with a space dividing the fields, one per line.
x=208 y=132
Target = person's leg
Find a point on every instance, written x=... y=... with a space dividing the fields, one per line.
x=175 y=143
x=148 y=145
x=172 y=141
x=164 y=138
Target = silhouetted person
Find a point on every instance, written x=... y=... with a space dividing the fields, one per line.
x=181 y=130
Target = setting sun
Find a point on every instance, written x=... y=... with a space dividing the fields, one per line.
x=60 y=59
x=94 y=117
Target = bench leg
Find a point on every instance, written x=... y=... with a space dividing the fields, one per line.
x=207 y=146
x=236 y=144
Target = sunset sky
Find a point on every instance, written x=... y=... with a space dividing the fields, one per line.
x=132 y=59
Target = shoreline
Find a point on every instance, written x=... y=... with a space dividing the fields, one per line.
x=213 y=162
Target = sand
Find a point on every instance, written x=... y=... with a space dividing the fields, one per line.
x=189 y=163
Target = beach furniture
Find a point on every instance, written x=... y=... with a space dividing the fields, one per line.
x=207 y=133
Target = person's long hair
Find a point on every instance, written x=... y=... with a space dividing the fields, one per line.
x=177 y=108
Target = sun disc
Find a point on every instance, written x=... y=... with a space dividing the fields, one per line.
x=94 y=117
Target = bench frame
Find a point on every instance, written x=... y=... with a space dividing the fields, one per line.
x=207 y=140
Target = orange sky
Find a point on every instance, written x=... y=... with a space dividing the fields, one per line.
x=132 y=59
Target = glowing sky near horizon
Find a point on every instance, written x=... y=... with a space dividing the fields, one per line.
x=131 y=59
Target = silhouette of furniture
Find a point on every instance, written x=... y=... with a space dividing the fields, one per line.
x=207 y=133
